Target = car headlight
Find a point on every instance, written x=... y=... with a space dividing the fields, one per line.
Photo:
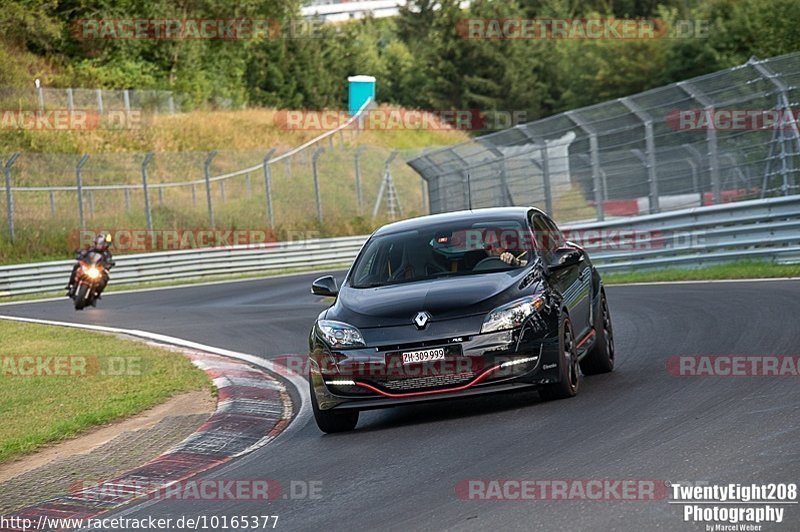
x=339 y=334
x=511 y=315
x=93 y=273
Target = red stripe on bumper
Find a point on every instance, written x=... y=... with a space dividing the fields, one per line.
x=480 y=378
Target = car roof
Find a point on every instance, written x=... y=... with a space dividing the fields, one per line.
x=475 y=215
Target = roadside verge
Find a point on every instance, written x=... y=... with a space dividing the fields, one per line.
x=254 y=408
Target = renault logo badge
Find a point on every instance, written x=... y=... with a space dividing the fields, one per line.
x=421 y=319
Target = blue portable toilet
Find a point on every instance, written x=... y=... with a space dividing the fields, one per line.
x=362 y=88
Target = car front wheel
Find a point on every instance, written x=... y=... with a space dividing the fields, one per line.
x=600 y=359
x=569 y=368
x=331 y=421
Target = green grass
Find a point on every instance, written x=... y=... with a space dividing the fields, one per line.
x=122 y=378
x=42 y=235
x=46 y=231
x=736 y=270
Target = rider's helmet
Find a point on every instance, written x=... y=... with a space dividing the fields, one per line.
x=102 y=241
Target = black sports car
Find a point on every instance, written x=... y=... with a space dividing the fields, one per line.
x=454 y=305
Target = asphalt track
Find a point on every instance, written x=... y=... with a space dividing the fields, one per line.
x=400 y=468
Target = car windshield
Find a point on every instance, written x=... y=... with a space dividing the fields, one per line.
x=442 y=251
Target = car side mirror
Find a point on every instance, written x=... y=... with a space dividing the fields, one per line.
x=325 y=286
x=565 y=258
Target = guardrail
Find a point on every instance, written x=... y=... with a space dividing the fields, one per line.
x=195 y=263
x=764 y=229
x=757 y=229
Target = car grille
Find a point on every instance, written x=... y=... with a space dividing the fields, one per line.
x=427 y=382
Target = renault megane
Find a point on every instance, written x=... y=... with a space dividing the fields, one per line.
x=454 y=305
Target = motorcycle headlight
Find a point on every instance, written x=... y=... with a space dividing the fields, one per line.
x=93 y=273
x=339 y=334
x=511 y=315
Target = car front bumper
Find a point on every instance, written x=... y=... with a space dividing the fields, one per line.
x=375 y=377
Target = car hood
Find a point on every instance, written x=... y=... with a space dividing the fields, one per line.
x=445 y=298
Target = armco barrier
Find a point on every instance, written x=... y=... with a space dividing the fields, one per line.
x=758 y=229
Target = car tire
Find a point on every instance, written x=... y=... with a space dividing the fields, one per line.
x=330 y=421
x=600 y=359
x=568 y=367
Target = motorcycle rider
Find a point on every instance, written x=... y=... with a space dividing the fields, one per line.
x=100 y=244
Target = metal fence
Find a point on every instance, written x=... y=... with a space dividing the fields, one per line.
x=329 y=181
x=98 y=100
x=749 y=230
x=727 y=136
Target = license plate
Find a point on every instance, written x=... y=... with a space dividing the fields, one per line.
x=425 y=355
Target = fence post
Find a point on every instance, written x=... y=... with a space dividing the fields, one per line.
x=387 y=186
x=693 y=165
x=79 y=181
x=711 y=138
x=99 y=101
x=650 y=150
x=268 y=187
x=595 y=158
x=148 y=215
x=171 y=104
x=248 y=187
x=40 y=91
x=548 y=189
x=126 y=193
x=194 y=195
x=359 y=196
x=222 y=190
x=160 y=196
x=70 y=101
x=206 y=167
x=126 y=97
x=505 y=193
x=783 y=104
x=52 y=203
x=10 y=194
x=314 y=169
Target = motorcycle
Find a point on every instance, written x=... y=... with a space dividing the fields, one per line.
x=89 y=279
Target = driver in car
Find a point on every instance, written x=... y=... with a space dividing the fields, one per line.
x=506 y=256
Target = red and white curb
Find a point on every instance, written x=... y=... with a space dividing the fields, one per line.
x=253 y=409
